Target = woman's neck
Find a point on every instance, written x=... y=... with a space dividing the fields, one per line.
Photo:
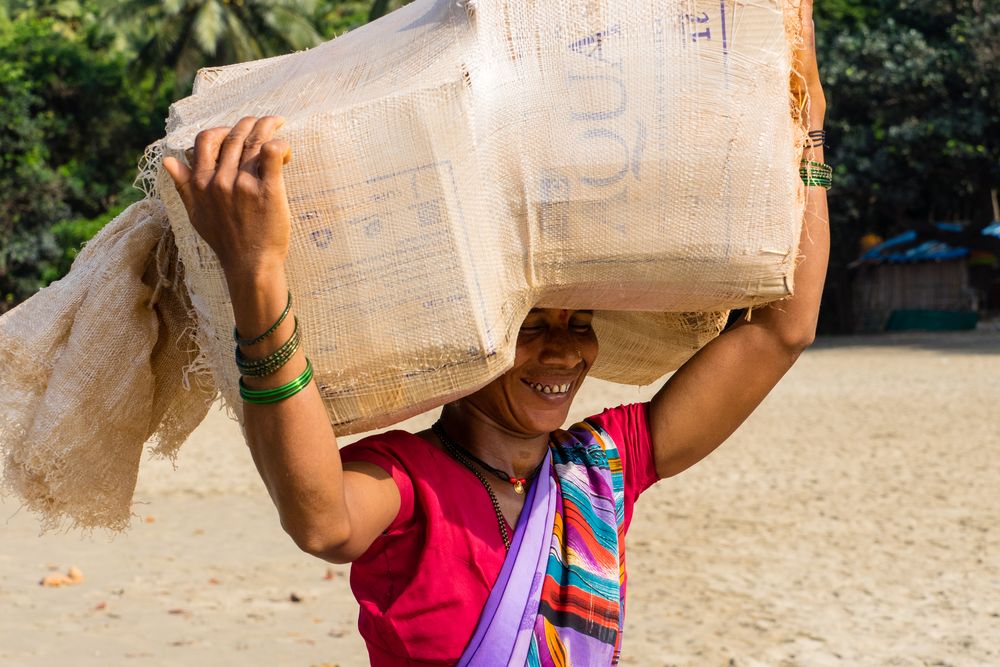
x=515 y=453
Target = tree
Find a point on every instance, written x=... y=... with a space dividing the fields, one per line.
x=31 y=193
x=185 y=35
x=335 y=17
x=380 y=8
x=913 y=91
x=72 y=126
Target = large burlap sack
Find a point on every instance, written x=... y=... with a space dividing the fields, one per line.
x=456 y=163
x=91 y=368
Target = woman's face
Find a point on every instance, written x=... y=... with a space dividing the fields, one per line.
x=555 y=350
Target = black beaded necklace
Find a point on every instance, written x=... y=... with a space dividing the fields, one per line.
x=466 y=458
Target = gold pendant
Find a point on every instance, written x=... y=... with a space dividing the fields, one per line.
x=518 y=487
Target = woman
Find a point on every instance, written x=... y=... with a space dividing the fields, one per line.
x=494 y=537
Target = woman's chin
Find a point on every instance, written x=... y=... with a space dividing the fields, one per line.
x=537 y=420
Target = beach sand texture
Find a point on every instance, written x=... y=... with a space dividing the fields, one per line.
x=853 y=520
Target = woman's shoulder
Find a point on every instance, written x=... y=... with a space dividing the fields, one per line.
x=622 y=436
x=610 y=429
x=398 y=447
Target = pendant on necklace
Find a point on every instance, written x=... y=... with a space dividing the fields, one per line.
x=518 y=485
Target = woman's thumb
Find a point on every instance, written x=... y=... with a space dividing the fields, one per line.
x=180 y=174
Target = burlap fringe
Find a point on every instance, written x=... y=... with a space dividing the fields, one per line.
x=95 y=366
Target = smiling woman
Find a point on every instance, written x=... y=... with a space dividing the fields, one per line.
x=495 y=537
x=555 y=350
x=496 y=553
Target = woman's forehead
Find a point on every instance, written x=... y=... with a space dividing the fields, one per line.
x=561 y=313
x=570 y=311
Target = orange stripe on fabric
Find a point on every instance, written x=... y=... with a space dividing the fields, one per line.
x=578 y=603
x=605 y=559
x=557 y=652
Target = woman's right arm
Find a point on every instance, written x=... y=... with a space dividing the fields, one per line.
x=235 y=197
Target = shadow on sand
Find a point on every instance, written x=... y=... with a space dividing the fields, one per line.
x=983 y=341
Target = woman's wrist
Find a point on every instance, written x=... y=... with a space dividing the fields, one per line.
x=258 y=299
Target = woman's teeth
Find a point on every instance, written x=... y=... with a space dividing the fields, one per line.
x=550 y=388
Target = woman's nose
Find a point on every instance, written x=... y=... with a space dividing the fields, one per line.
x=560 y=348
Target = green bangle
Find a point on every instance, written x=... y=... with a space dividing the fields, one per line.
x=813 y=182
x=816 y=174
x=247 y=342
x=277 y=394
x=272 y=362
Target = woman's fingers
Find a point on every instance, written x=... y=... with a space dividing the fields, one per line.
x=206 y=152
x=231 y=152
x=273 y=155
x=239 y=162
x=262 y=132
x=181 y=176
x=806 y=84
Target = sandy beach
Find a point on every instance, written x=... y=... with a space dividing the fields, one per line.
x=853 y=520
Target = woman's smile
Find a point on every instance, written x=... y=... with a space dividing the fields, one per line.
x=550 y=389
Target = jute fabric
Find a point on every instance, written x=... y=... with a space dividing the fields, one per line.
x=455 y=164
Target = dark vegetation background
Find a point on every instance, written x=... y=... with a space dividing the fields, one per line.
x=913 y=91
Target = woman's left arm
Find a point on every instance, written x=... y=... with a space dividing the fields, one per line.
x=707 y=399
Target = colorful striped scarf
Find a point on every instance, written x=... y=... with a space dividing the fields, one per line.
x=581 y=612
x=558 y=598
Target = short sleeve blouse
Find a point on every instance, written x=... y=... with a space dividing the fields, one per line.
x=423 y=583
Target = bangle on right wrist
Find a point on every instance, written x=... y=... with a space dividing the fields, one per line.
x=816 y=174
x=249 y=342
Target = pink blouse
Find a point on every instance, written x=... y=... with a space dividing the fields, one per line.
x=423 y=583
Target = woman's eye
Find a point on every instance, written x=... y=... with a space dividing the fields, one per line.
x=581 y=328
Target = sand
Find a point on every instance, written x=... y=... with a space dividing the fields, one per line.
x=853 y=520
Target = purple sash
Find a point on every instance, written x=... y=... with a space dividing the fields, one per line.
x=503 y=635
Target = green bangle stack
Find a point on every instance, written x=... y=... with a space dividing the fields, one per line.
x=816 y=174
x=247 y=342
x=272 y=362
x=277 y=394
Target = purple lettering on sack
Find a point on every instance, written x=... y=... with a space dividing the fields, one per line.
x=598 y=108
x=592 y=46
x=321 y=238
x=701 y=30
x=606 y=114
x=441 y=301
x=615 y=141
x=428 y=212
x=722 y=14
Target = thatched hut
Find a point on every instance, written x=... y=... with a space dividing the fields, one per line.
x=912 y=281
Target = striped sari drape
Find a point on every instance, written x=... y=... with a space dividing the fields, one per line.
x=581 y=610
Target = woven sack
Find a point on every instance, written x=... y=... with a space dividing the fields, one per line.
x=454 y=165
x=91 y=368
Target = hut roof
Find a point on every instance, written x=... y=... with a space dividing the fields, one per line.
x=939 y=242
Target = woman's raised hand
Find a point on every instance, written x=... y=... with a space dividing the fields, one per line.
x=807 y=84
x=235 y=196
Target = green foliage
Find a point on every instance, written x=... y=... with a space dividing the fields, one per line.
x=844 y=13
x=913 y=113
x=380 y=8
x=913 y=92
x=185 y=35
x=72 y=126
x=336 y=18
x=71 y=235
